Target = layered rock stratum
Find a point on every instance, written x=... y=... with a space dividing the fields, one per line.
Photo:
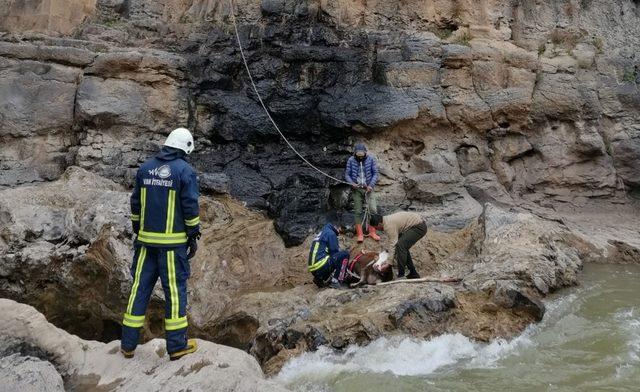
x=513 y=126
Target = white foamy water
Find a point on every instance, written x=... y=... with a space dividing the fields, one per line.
x=407 y=356
x=399 y=356
x=629 y=319
x=589 y=340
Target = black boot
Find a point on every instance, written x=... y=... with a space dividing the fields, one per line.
x=335 y=284
x=400 y=272
x=319 y=282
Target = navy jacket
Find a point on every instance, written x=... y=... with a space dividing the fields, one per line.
x=370 y=171
x=164 y=202
x=324 y=246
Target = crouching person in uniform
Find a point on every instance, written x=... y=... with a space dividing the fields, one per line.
x=327 y=263
x=165 y=217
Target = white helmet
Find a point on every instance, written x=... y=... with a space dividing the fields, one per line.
x=180 y=138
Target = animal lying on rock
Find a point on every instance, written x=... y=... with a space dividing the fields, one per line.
x=373 y=268
x=368 y=268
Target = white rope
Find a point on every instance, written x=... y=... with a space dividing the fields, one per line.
x=422 y=280
x=246 y=65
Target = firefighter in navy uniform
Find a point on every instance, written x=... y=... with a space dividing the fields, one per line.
x=326 y=262
x=165 y=217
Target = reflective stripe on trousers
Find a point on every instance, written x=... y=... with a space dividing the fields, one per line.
x=171 y=266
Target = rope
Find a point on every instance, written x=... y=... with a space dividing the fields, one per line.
x=255 y=89
x=365 y=217
x=422 y=280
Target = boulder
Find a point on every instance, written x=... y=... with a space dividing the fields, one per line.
x=466 y=109
x=214 y=182
x=512 y=261
x=345 y=107
x=300 y=319
x=625 y=149
x=91 y=365
x=76 y=230
x=485 y=187
x=519 y=246
x=273 y=6
x=509 y=295
x=456 y=56
x=83 y=239
x=64 y=55
x=29 y=373
x=411 y=74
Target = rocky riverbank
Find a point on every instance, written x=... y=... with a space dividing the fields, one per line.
x=68 y=254
x=512 y=126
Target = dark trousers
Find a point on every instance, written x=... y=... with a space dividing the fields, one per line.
x=334 y=266
x=359 y=202
x=406 y=240
x=172 y=267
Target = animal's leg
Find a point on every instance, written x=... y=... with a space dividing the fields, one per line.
x=358 y=283
x=373 y=279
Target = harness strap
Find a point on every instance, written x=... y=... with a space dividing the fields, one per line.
x=354 y=261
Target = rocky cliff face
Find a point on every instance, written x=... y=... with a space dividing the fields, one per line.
x=519 y=102
x=512 y=125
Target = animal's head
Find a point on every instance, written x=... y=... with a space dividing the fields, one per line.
x=382 y=266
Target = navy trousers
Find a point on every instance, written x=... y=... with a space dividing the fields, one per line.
x=172 y=266
x=333 y=266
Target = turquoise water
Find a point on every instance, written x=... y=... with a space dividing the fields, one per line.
x=589 y=340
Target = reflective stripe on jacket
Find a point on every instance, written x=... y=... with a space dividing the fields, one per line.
x=323 y=247
x=165 y=200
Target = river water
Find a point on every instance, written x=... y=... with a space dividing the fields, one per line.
x=589 y=340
